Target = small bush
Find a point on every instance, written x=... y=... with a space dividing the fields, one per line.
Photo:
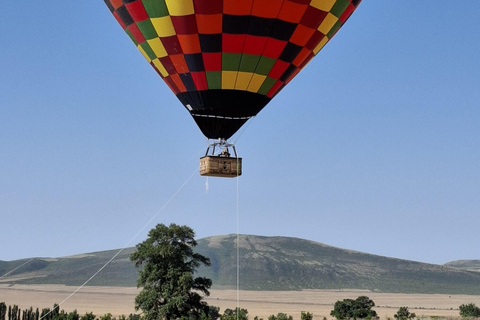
x=469 y=310
x=306 y=316
x=230 y=314
x=404 y=314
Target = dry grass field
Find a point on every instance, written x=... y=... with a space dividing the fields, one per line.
x=120 y=300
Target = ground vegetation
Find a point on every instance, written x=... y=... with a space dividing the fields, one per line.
x=360 y=308
x=404 y=314
x=469 y=311
x=167 y=263
x=267 y=263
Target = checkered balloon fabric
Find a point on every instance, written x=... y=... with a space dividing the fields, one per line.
x=226 y=59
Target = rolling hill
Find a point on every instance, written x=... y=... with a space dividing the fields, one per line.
x=472 y=265
x=266 y=263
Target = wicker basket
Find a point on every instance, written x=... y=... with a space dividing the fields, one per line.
x=215 y=166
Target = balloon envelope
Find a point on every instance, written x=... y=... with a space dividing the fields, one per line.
x=226 y=59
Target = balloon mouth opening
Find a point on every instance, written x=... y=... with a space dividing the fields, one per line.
x=220 y=113
x=216 y=128
x=220 y=117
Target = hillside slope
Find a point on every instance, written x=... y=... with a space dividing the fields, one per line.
x=266 y=263
x=73 y=270
x=280 y=263
x=472 y=265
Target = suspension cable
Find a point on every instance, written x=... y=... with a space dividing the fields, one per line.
x=125 y=246
x=93 y=221
x=238 y=246
x=15 y=269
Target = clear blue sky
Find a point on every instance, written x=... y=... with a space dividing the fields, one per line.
x=373 y=147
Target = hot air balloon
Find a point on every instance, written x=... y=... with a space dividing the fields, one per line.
x=226 y=59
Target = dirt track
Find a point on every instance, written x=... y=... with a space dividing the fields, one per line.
x=101 y=300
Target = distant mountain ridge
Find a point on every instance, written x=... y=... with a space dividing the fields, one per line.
x=266 y=263
x=473 y=265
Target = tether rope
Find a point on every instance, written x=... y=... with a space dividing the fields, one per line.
x=125 y=246
x=26 y=262
x=79 y=231
x=90 y=223
x=238 y=247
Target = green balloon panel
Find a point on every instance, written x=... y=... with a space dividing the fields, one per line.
x=250 y=49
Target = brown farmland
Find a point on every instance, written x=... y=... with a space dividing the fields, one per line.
x=120 y=300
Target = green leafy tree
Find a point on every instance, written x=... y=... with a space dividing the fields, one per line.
x=46 y=314
x=55 y=311
x=404 y=314
x=73 y=315
x=168 y=263
x=61 y=315
x=238 y=313
x=280 y=316
x=14 y=312
x=29 y=314
x=360 y=308
x=306 y=316
x=107 y=316
x=3 y=310
x=469 y=310
x=213 y=312
x=132 y=316
x=88 y=316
